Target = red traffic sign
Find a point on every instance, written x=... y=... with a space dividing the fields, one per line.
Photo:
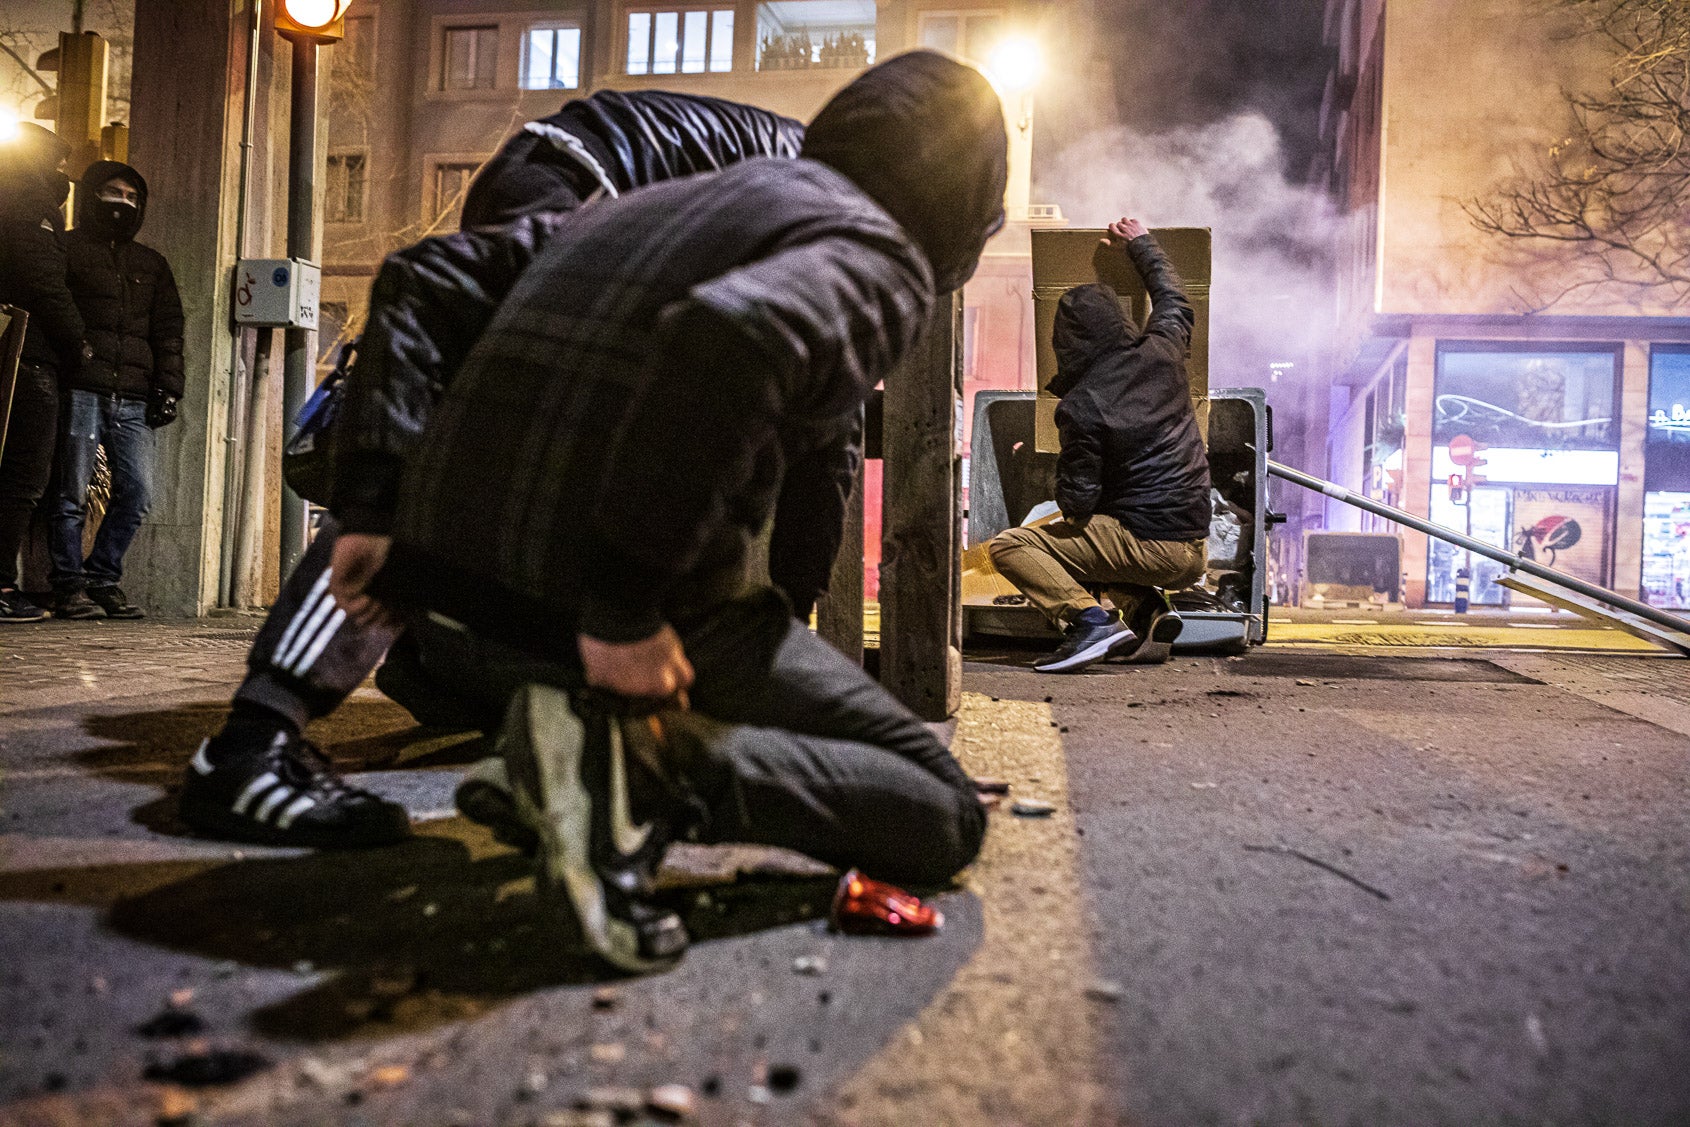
x=1463 y=451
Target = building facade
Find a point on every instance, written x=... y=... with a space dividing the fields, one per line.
x=422 y=92
x=1574 y=390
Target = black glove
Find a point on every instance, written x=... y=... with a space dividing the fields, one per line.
x=161 y=408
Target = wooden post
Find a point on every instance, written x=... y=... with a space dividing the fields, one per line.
x=921 y=527
x=13 y=323
x=839 y=612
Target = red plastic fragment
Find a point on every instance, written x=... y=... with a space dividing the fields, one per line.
x=862 y=906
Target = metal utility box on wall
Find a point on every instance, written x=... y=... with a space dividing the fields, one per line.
x=1067 y=257
x=277 y=293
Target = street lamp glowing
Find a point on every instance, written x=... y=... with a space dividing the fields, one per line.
x=8 y=126
x=315 y=13
x=1015 y=65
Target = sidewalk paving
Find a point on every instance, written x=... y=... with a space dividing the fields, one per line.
x=1333 y=885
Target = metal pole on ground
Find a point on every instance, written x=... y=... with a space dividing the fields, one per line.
x=1479 y=547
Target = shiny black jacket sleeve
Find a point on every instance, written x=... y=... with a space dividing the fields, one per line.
x=1079 y=465
x=33 y=254
x=821 y=472
x=428 y=307
x=165 y=332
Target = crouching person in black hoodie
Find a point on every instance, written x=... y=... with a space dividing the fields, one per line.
x=1132 y=479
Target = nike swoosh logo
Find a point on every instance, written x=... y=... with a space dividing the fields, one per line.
x=627 y=837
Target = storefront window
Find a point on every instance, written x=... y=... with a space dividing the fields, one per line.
x=1666 y=476
x=1543 y=422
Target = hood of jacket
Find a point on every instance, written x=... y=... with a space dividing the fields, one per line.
x=1089 y=324
x=31 y=184
x=109 y=222
x=923 y=136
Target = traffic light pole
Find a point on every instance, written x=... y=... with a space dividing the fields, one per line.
x=299 y=361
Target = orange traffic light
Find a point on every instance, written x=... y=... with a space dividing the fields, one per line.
x=321 y=20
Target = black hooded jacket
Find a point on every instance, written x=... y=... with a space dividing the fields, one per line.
x=621 y=431
x=32 y=252
x=618 y=141
x=1130 y=444
x=126 y=293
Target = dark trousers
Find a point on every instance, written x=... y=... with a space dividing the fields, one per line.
x=26 y=465
x=787 y=743
x=89 y=420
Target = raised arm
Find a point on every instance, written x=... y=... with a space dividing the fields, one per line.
x=1171 y=316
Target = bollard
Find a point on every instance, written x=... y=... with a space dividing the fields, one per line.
x=1462 y=588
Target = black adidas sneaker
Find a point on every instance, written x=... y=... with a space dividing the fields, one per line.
x=285 y=793
x=595 y=869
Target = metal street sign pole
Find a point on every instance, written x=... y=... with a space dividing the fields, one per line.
x=299 y=361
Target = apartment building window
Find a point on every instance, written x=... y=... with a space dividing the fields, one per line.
x=553 y=60
x=968 y=35
x=801 y=34
x=354 y=56
x=451 y=184
x=469 y=58
x=343 y=198
x=680 y=41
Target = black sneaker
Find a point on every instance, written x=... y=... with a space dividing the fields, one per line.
x=75 y=604
x=1083 y=644
x=113 y=601
x=596 y=870
x=285 y=794
x=15 y=606
x=484 y=797
x=1156 y=625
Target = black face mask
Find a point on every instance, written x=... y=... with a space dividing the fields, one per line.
x=114 y=219
x=58 y=186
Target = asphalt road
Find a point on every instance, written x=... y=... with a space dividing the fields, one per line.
x=1342 y=884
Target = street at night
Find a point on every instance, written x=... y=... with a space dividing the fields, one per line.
x=855 y=563
x=1321 y=883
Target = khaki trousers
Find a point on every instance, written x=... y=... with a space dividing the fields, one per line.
x=1054 y=563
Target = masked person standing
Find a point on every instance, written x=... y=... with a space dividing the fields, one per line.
x=33 y=188
x=117 y=397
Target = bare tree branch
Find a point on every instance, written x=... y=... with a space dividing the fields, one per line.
x=1617 y=188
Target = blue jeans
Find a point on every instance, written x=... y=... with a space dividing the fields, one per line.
x=87 y=421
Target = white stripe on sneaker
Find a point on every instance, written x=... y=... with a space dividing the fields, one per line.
x=278 y=796
x=300 y=615
x=201 y=764
x=324 y=636
x=325 y=607
x=294 y=809
x=253 y=789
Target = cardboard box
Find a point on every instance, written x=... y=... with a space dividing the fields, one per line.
x=1067 y=257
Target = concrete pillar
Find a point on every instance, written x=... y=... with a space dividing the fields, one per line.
x=186 y=95
x=1417 y=457
x=1628 y=505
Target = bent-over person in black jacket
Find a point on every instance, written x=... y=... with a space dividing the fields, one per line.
x=1132 y=479
x=430 y=303
x=587 y=490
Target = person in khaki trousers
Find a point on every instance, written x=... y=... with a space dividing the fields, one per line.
x=1132 y=479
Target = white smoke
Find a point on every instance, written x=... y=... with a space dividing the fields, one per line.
x=1271 y=298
